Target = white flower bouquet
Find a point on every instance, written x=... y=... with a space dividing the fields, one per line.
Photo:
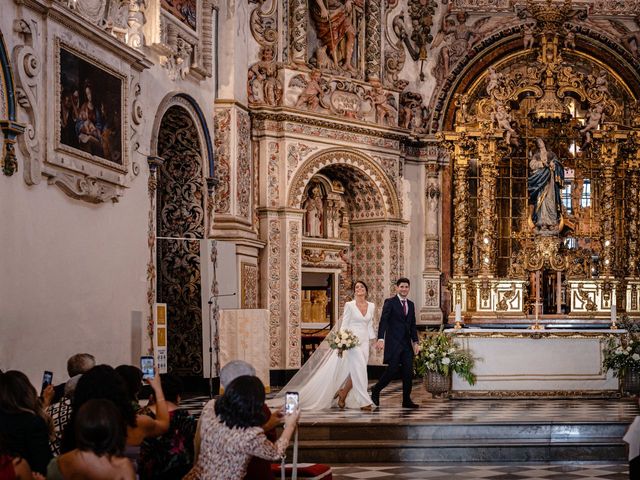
x=342 y=340
x=621 y=354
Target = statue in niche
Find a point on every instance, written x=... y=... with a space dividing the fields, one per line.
x=334 y=22
x=594 y=117
x=546 y=180
x=264 y=85
x=319 y=306
x=494 y=80
x=570 y=40
x=313 y=205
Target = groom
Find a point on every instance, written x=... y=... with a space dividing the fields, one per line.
x=398 y=336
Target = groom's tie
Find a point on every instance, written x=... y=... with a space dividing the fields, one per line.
x=404 y=307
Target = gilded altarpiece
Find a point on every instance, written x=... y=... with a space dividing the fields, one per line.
x=544 y=156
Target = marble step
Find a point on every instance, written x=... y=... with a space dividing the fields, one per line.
x=515 y=442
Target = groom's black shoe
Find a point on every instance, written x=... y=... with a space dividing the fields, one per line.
x=375 y=398
x=410 y=404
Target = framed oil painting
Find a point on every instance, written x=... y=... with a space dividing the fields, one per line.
x=91 y=105
x=183 y=10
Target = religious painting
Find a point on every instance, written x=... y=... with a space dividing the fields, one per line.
x=90 y=100
x=183 y=10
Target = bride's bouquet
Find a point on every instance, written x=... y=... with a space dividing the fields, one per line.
x=342 y=340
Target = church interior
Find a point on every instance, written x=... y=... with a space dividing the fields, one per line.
x=204 y=180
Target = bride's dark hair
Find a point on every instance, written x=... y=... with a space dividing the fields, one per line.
x=361 y=283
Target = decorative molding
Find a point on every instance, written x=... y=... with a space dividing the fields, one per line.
x=152 y=185
x=273 y=174
x=373 y=33
x=296 y=153
x=298 y=40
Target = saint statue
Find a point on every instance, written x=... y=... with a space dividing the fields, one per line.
x=314 y=207
x=546 y=179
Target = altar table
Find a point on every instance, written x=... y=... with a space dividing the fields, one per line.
x=520 y=362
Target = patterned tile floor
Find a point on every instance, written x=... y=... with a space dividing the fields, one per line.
x=475 y=411
x=515 y=471
x=468 y=411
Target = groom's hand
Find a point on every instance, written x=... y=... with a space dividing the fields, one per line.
x=416 y=348
x=380 y=345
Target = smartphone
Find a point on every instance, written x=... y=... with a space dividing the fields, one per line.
x=146 y=365
x=47 y=379
x=290 y=402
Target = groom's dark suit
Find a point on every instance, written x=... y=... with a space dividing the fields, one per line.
x=399 y=332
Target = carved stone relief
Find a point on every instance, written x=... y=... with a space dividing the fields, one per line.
x=243 y=167
x=264 y=87
x=294 y=295
x=8 y=124
x=273 y=173
x=222 y=127
x=296 y=153
x=249 y=282
x=273 y=285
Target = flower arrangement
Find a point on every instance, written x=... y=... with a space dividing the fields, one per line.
x=439 y=353
x=342 y=340
x=622 y=353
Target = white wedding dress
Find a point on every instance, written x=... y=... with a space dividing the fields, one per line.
x=324 y=373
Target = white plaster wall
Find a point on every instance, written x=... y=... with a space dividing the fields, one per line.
x=234 y=33
x=73 y=274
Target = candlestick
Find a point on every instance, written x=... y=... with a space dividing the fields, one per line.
x=458 y=324
x=614 y=315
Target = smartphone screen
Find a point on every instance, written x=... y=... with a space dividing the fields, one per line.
x=47 y=379
x=146 y=365
x=290 y=402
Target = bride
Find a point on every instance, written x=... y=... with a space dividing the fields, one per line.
x=326 y=377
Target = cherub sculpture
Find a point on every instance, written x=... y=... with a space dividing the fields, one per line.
x=313 y=90
x=385 y=112
x=593 y=120
x=501 y=118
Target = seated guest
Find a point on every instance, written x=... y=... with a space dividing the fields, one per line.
x=231 y=432
x=13 y=468
x=102 y=381
x=100 y=433
x=258 y=468
x=23 y=422
x=132 y=377
x=169 y=456
x=76 y=365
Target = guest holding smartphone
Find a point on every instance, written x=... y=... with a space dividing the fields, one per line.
x=231 y=432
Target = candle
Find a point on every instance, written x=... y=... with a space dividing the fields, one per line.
x=536 y=309
x=614 y=311
x=458 y=312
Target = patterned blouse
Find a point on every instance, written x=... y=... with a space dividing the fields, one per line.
x=225 y=452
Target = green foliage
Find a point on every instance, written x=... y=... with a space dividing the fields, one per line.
x=439 y=353
x=622 y=353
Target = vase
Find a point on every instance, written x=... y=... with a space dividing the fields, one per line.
x=630 y=381
x=437 y=384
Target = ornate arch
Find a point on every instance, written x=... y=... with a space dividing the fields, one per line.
x=509 y=42
x=364 y=165
x=196 y=114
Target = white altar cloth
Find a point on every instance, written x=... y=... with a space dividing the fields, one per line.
x=537 y=362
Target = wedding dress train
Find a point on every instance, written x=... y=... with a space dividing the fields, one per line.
x=325 y=372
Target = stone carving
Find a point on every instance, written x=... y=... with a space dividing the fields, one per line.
x=595 y=116
x=273 y=296
x=369 y=261
x=336 y=23
x=273 y=173
x=243 y=166
x=264 y=86
x=249 y=282
x=313 y=93
x=296 y=153
x=28 y=91
x=298 y=41
x=222 y=143
x=135 y=22
x=314 y=212
x=121 y=19
x=181 y=214
x=501 y=119
x=456 y=39
x=372 y=52
x=431 y=292
x=264 y=24
x=177 y=58
x=293 y=329
x=413 y=115
x=632 y=38
x=528 y=36
x=382 y=189
x=386 y=113
x=394 y=55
